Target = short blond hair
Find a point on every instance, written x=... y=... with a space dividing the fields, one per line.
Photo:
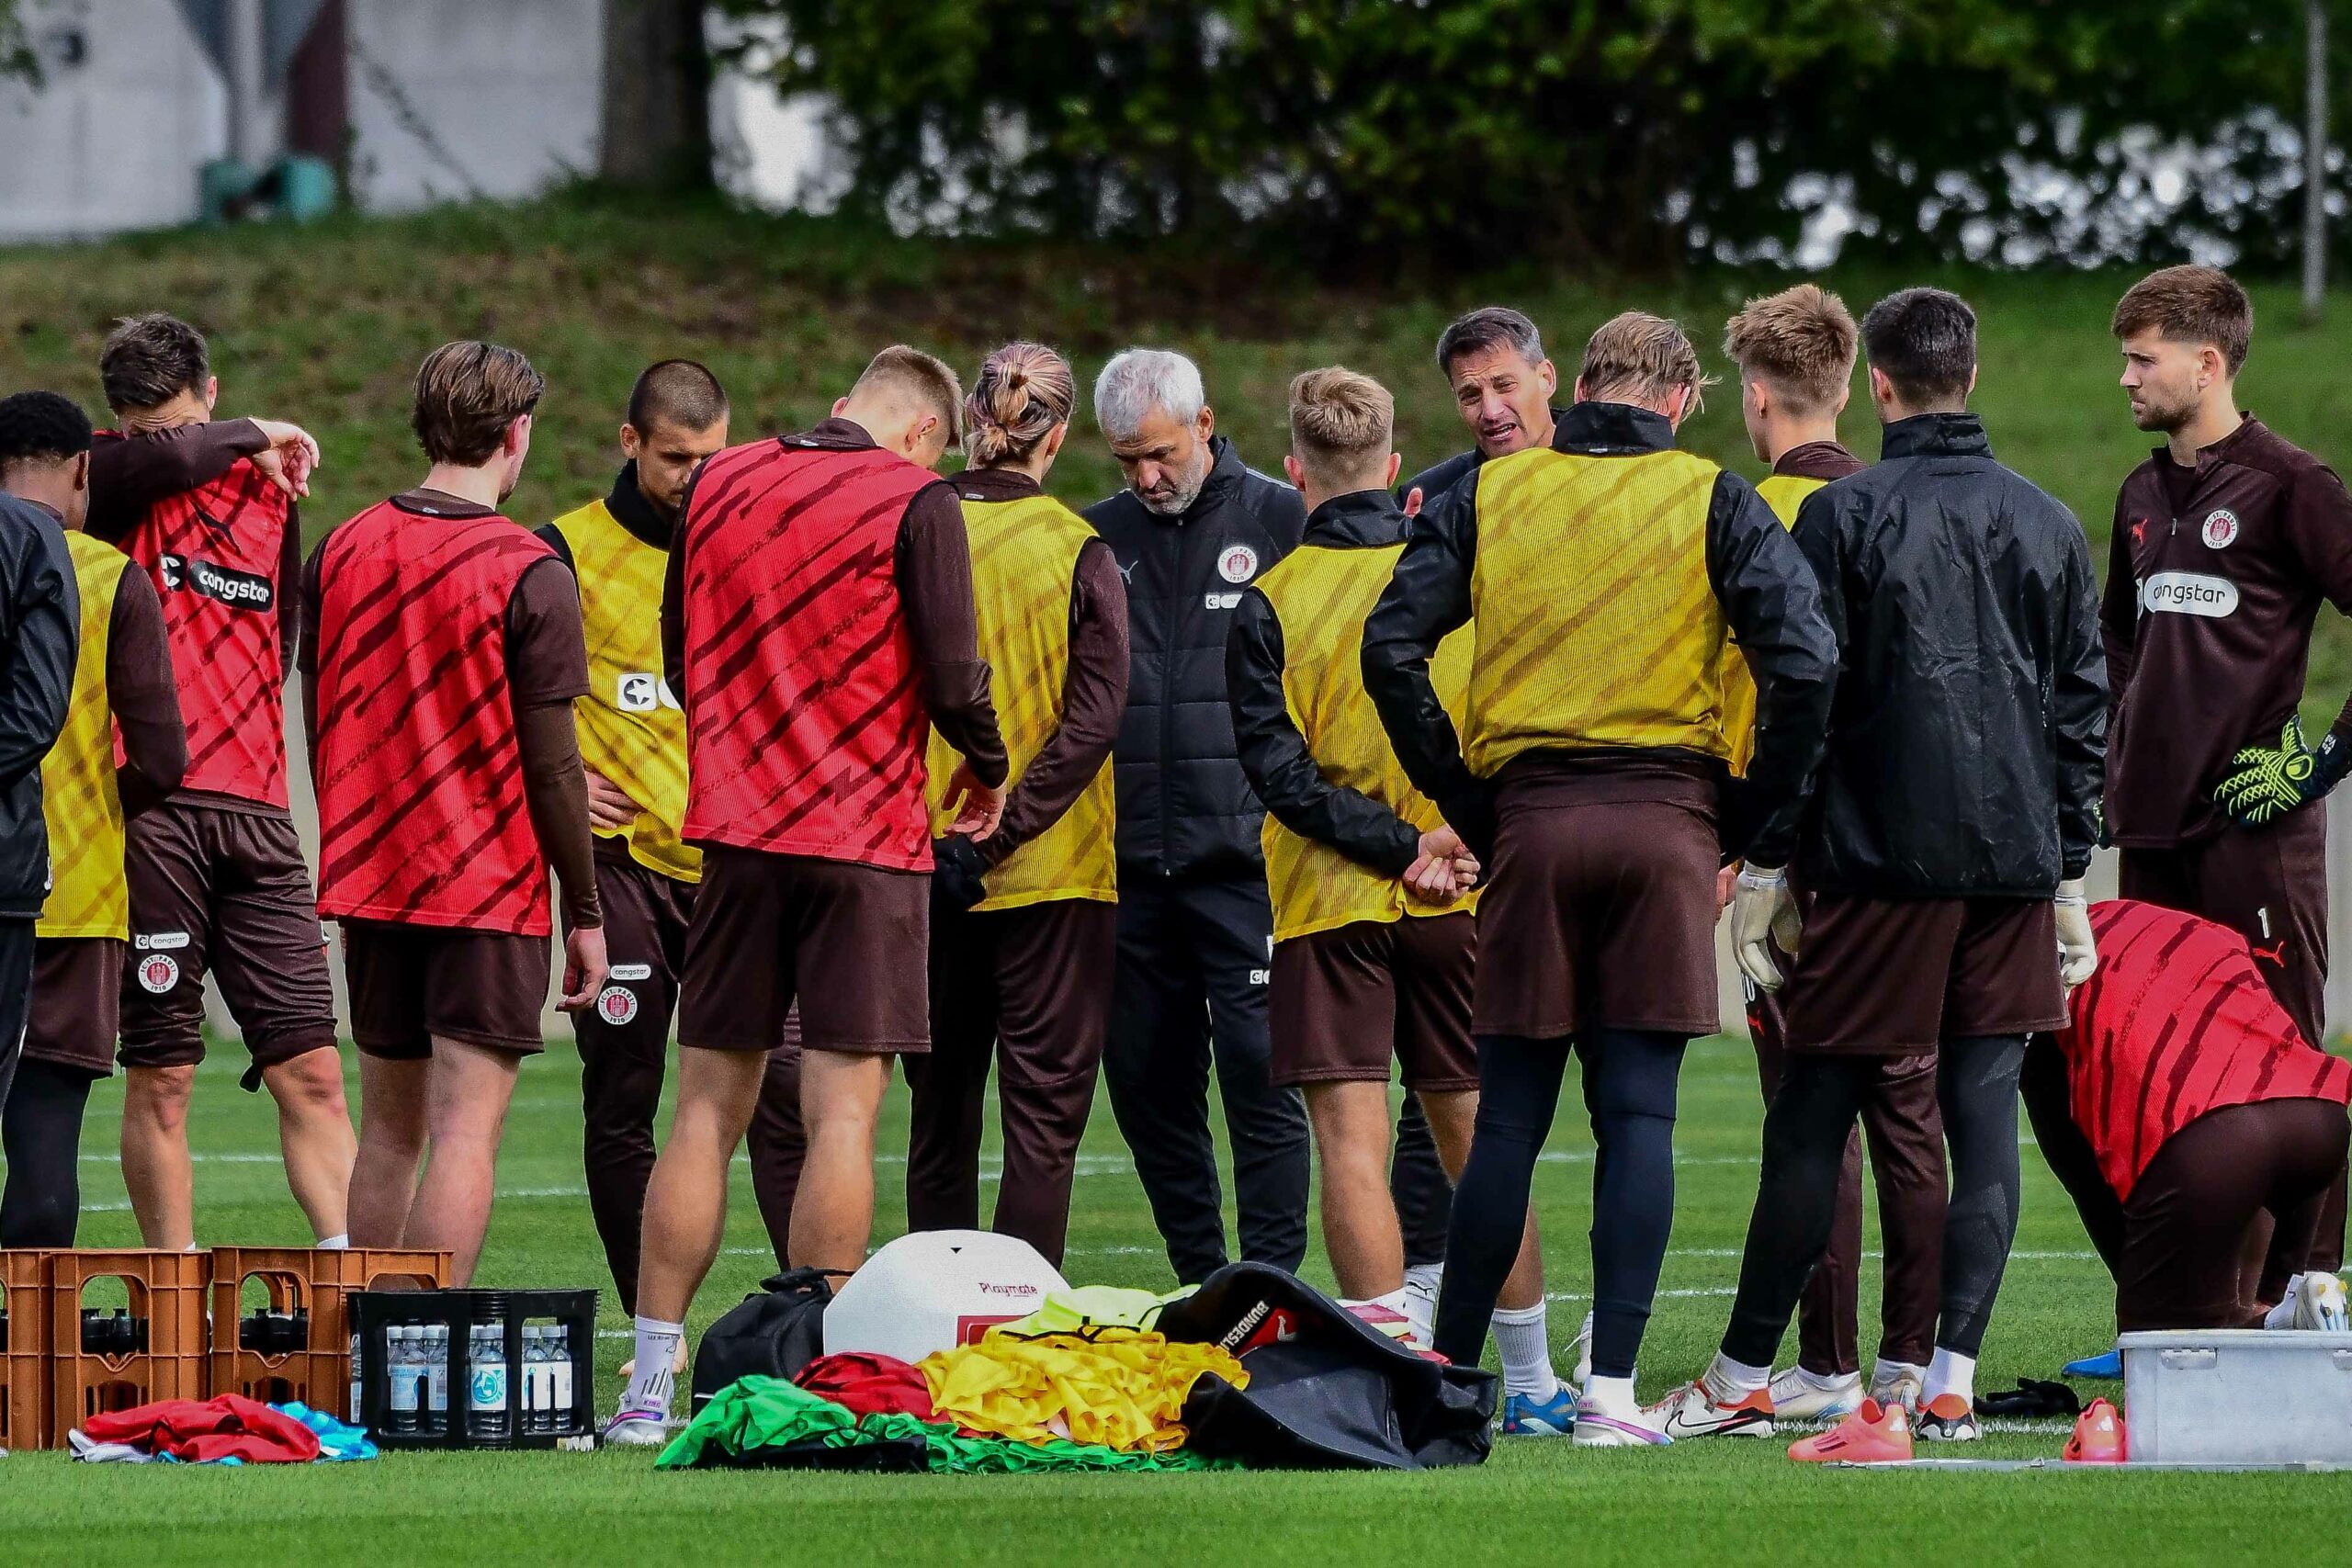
x=1645 y=355
x=1343 y=426
x=1802 y=341
x=912 y=373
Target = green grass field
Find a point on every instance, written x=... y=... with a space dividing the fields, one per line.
x=1534 y=1501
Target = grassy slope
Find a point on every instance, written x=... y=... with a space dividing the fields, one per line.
x=324 y=325
x=1535 y=1500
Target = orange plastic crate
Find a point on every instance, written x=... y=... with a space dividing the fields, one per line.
x=314 y=1281
x=166 y=1288
x=24 y=1370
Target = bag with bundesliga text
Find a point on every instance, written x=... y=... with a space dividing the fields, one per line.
x=774 y=1334
x=1326 y=1392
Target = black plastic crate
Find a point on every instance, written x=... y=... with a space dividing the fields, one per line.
x=510 y=1423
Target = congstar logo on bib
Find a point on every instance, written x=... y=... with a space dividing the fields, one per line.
x=2188 y=593
x=242 y=590
x=639 y=692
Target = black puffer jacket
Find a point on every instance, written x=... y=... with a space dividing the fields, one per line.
x=1185 y=808
x=1968 y=735
x=40 y=635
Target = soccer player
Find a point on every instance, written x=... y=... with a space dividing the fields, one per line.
x=816 y=613
x=1605 y=574
x=217 y=877
x=1943 y=850
x=442 y=658
x=1375 y=934
x=2198 y=1111
x=122 y=686
x=1794 y=350
x=633 y=742
x=1024 y=927
x=1193 y=527
x=2227 y=541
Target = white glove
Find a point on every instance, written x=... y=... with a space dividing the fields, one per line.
x=2077 y=954
x=1762 y=907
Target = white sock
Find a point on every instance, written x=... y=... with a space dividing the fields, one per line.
x=339 y=1242
x=1726 y=1376
x=1884 y=1371
x=1420 y=1306
x=1423 y=1277
x=1612 y=1396
x=1951 y=1372
x=1830 y=1383
x=1526 y=1347
x=650 y=1384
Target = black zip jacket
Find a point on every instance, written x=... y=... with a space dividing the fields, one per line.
x=41 y=636
x=1273 y=753
x=1969 y=734
x=1769 y=598
x=1185 y=806
x=1444 y=475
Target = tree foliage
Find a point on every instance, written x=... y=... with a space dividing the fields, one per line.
x=1642 y=132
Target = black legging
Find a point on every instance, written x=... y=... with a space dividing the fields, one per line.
x=40 y=1132
x=1630 y=1077
x=1805 y=1141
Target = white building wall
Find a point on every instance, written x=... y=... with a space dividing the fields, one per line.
x=112 y=141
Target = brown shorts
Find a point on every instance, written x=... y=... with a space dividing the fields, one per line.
x=1347 y=1001
x=77 y=1002
x=1600 y=916
x=850 y=943
x=226 y=888
x=1897 y=976
x=410 y=983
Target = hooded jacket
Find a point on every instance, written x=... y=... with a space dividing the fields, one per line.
x=1185 y=806
x=41 y=636
x=1968 y=733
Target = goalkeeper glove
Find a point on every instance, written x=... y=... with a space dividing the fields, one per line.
x=1761 y=908
x=2265 y=783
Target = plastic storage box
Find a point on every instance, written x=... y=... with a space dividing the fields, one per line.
x=300 y=1348
x=487 y=1405
x=23 y=1349
x=160 y=1356
x=2238 y=1396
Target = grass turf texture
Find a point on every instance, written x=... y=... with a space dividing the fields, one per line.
x=326 y=325
x=1535 y=1498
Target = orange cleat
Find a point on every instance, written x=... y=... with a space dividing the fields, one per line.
x=1876 y=1433
x=2099 y=1437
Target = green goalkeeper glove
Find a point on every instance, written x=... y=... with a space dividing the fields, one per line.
x=2266 y=783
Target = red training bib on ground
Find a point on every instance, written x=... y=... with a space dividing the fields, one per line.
x=217 y=555
x=805 y=724
x=422 y=814
x=2176 y=1023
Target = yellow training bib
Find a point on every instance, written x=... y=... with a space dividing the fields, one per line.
x=80 y=797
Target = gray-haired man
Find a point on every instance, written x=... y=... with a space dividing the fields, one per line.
x=1193 y=528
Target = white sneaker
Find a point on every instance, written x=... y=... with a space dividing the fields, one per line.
x=1907 y=1389
x=1693 y=1411
x=1799 y=1395
x=1597 y=1428
x=2320 y=1303
x=636 y=1429
x=1583 y=1374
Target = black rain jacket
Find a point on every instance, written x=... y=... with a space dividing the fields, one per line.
x=40 y=638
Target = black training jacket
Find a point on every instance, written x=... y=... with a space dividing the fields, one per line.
x=40 y=635
x=1968 y=734
x=1185 y=806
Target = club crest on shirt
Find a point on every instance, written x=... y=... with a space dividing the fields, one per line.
x=1239 y=564
x=2220 y=528
x=158 y=973
x=617 y=1005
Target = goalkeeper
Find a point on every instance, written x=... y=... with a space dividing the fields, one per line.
x=2227 y=540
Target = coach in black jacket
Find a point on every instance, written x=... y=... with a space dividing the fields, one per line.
x=44 y=488
x=1955 y=812
x=1195 y=527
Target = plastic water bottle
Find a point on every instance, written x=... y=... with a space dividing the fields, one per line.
x=351 y=1411
x=437 y=1380
x=559 y=1379
x=406 y=1366
x=535 y=1367
x=486 y=1395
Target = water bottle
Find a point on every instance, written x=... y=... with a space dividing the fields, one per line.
x=406 y=1366
x=486 y=1396
x=544 y=1352
x=534 y=1365
x=351 y=1411
x=436 y=1380
x=559 y=1378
